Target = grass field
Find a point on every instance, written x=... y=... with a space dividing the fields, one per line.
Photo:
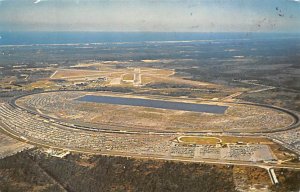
x=43 y=84
x=199 y=140
x=250 y=140
x=128 y=77
x=71 y=73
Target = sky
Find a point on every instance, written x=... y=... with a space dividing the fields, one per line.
x=151 y=15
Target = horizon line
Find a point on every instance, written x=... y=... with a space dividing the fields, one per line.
x=29 y=31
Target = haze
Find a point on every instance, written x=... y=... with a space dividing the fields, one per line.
x=154 y=16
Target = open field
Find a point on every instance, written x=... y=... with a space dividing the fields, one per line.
x=70 y=73
x=128 y=77
x=199 y=140
x=10 y=146
x=125 y=76
x=42 y=84
x=249 y=140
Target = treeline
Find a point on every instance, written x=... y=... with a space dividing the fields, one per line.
x=100 y=173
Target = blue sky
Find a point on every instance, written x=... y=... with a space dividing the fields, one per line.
x=151 y=15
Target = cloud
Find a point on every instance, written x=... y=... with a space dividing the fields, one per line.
x=297 y=1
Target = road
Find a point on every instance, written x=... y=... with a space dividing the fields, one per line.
x=294 y=115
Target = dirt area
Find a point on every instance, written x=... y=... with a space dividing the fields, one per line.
x=10 y=146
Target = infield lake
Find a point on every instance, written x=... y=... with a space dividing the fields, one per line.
x=159 y=104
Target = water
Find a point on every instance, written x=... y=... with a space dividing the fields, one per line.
x=29 y=38
x=155 y=104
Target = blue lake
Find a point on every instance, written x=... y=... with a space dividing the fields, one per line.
x=216 y=109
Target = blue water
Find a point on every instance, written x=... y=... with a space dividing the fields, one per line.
x=155 y=104
x=28 y=38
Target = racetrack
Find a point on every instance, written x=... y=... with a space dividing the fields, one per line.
x=44 y=130
x=240 y=117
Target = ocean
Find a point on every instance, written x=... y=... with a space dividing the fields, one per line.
x=29 y=38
